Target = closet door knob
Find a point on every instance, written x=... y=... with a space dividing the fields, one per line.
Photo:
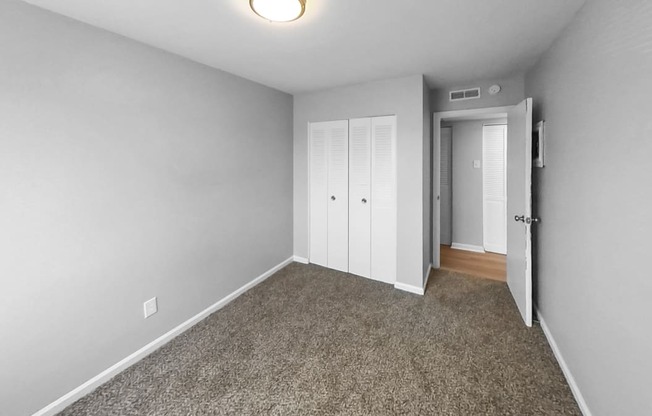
x=364 y=200
x=333 y=198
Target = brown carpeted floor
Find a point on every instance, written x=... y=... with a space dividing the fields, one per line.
x=312 y=341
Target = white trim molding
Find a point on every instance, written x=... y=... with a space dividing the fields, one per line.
x=482 y=113
x=468 y=247
x=301 y=260
x=409 y=288
x=95 y=382
x=427 y=276
x=579 y=398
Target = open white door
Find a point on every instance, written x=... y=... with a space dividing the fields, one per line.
x=519 y=207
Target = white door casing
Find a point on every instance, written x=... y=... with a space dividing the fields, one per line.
x=446 y=193
x=494 y=188
x=519 y=205
x=437 y=119
x=436 y=191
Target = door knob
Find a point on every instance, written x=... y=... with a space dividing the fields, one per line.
x=521 y=218
x=529 y=220
x=333 y=198
x=364 y=200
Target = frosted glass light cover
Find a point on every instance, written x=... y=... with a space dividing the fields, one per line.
x=278 y=10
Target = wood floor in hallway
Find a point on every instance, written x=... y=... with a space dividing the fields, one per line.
x=489 y=265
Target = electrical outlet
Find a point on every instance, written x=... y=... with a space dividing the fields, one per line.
x=476 y=164
x=150 y=307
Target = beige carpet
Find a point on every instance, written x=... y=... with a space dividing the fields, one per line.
x=312 y=341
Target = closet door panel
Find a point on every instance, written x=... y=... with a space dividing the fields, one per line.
x=383 y=199
x=318 y=194
x=338 y=195
x=360 y=197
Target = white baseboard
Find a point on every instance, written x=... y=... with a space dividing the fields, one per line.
x=79 y=392
x=300 y=259
x=409 y=288
x=468 y=247
x=584 y=408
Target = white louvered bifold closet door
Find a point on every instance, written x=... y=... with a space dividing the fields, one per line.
x=494 y=188
x=360 y=197
x=338 y=195
x=383 y=199
x=318 y=194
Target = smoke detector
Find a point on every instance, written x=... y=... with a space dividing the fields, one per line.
x=494 y=89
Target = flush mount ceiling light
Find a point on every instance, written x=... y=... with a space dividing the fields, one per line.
x=278 y=10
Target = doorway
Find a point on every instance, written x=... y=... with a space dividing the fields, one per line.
x=519 y=191
x=473 y=194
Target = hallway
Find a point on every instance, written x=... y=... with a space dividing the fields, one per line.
x=488 y=265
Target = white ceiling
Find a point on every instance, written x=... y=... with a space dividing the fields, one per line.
x=340 y=42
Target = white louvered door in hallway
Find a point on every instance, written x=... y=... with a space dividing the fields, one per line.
x=494 y=188
x=353 y=196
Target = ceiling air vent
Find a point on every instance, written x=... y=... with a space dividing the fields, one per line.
x=468 y=94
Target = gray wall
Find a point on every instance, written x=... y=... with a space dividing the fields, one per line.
x=467 y=181
x=512 y=93
x=403 y=97
x=126 y=173
x=593 y=89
